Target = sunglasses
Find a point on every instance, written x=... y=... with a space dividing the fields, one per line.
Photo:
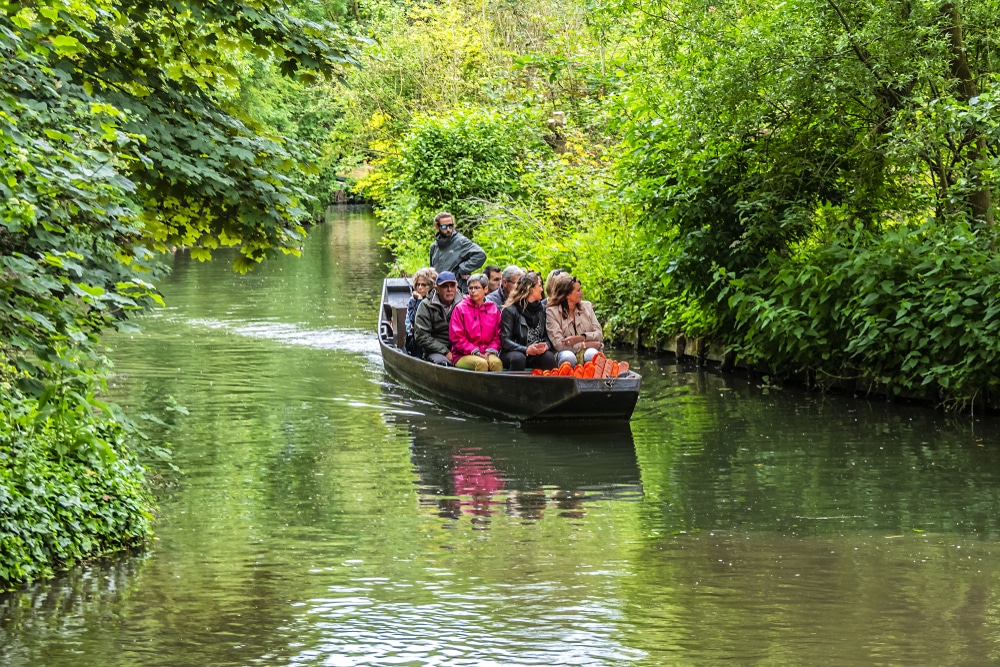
x=447 y=226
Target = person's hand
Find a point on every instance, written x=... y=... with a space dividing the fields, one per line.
x=573 y=340
x=448 y=356
x=417 y=295
x=537 y=348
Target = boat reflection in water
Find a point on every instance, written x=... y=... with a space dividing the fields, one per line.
x=476 y=469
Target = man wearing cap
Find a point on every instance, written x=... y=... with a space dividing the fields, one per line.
x=453 y=252
x=430 y=325
x=508 y=279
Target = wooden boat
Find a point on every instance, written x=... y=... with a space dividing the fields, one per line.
x=508 y=395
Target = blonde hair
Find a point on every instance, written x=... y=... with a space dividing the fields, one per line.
x=562 y=286
x=519 y=295
x=429 y=274
x=550 y=280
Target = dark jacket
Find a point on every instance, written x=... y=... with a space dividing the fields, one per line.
x=430 y=325
x=457 y=254
x=411 y=313
x=514 y=330
x=498 y=297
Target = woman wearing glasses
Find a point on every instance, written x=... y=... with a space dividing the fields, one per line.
x=571 y=323
x=423 y=282
x=475 y=329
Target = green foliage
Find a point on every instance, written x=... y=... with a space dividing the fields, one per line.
x=410 y=70
x=120 y=138
x=560 y=200
x=71 y=488
x=761 y=147
x=454 y=162
x=915 y=307
x=457 y=163
x=529 y=57
x=752 y=117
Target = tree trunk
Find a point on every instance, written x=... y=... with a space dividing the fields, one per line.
x=981 y=199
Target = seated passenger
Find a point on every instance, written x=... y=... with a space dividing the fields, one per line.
x=494 y=275
x=571 y=324
x=550 y=281
x=423 y=282
x=475 y=329
x=523 y=338
x=508 y=279
x=430 y=325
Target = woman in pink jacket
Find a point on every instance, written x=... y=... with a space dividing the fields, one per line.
x=475 y=329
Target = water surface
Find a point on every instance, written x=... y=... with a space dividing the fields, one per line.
x=326 y=515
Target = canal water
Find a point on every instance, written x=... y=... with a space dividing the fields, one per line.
x=324 y=515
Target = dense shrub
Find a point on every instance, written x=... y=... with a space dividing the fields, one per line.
x=913 y=307
x=70 y=487
x=450 y=162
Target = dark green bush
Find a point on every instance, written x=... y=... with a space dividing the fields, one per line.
x=914 y=307
x=449 y=162
x=461 y=163
x=70 y=487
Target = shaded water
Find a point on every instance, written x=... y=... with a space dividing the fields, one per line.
x=327 y=516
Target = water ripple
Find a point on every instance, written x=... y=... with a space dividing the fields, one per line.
x=462 y=629
x=346 y=340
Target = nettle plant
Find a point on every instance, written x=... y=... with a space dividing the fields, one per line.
x=917 y=307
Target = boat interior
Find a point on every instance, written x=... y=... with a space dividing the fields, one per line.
x=395 y=295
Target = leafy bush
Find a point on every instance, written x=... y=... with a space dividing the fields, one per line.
x=453 y=162
x=915 y=307
x=70 y=486
x=572 y=215
x=119 y=139
x=460 y=163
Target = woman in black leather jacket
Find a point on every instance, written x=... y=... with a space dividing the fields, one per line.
x=523 y=338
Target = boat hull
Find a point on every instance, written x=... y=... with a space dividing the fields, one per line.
x=518 y=396
x=506 y=395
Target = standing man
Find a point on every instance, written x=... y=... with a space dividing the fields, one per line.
x=508 y=279
x=452 y=252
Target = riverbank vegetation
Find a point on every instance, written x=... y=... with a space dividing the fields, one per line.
x=810 y=184
x=122 y=136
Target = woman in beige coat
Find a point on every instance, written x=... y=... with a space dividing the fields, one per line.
x=572 y=326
